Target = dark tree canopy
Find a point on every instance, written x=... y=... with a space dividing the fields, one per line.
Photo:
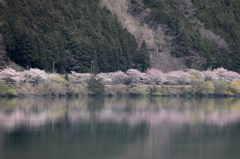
x=68 y=33
x=141 y=58
x=219 y=16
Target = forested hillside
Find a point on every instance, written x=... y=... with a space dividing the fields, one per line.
x=71 y=33
x=223 y=17
x=182 y=20
x=181 y=28
x=67 y=33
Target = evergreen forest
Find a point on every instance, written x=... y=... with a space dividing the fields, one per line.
x=221 y=17
x=69 y=34
x=66 y=34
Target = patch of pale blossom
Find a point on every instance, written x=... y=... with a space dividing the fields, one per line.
x=113 y=77
x=221 y=74
x=226 y=75
x=156 y=76
x=210 y=76
x=137 y=76
x=35 y=73
x=105 y=77
x=80 y=75
x=76 y=78
x=25 y=76
x=118 y=77
x=10 y=73
x=177 y=77
x=152 y=76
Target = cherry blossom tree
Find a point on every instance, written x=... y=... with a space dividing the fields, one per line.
x=137 y=76
x=177 y=77
x=227 y=75
x=9 y=75
x=156 y=76
x=118 y=77
x=152 y=76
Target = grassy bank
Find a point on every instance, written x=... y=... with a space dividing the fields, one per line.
x=120 y=90
x=7 y=91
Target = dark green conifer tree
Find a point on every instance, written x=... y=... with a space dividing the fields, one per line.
x=141 y=58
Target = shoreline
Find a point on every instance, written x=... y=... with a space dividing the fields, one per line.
x=136 y=91
x=154 y=83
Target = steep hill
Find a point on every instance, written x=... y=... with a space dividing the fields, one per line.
x=177 y=30
x=69 y=34
x=223 y=18
x=134 y=16
x=66 y=33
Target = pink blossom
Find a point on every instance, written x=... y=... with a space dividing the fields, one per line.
x=156 y=75
x=137 y=76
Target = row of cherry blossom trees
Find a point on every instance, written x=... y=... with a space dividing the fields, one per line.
x=154 y=76
x=218 y=81
x=10 y=75
x=131 y=76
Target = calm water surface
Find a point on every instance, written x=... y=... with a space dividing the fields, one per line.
x=111 y=128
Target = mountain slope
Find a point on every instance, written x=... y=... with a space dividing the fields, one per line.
x=175 y=29
x=223 y=18
x=67 y=34
x=159 y=38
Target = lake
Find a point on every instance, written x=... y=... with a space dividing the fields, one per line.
x=120 y=128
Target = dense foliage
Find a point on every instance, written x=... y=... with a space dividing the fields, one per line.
x=68 y=34
x=6 y=91
x=141 y=58
x=96 y=86
x=188 y=36
x=223 y=17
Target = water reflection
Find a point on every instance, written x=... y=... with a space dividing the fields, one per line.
x=37 y=112
x=117 y=128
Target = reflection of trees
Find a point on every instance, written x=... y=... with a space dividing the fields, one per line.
x=39 y=111
x=7 y=103
x=94 y=106
x=201 y=141
x=110 y=139
x=103 y=127
x=35 y=112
